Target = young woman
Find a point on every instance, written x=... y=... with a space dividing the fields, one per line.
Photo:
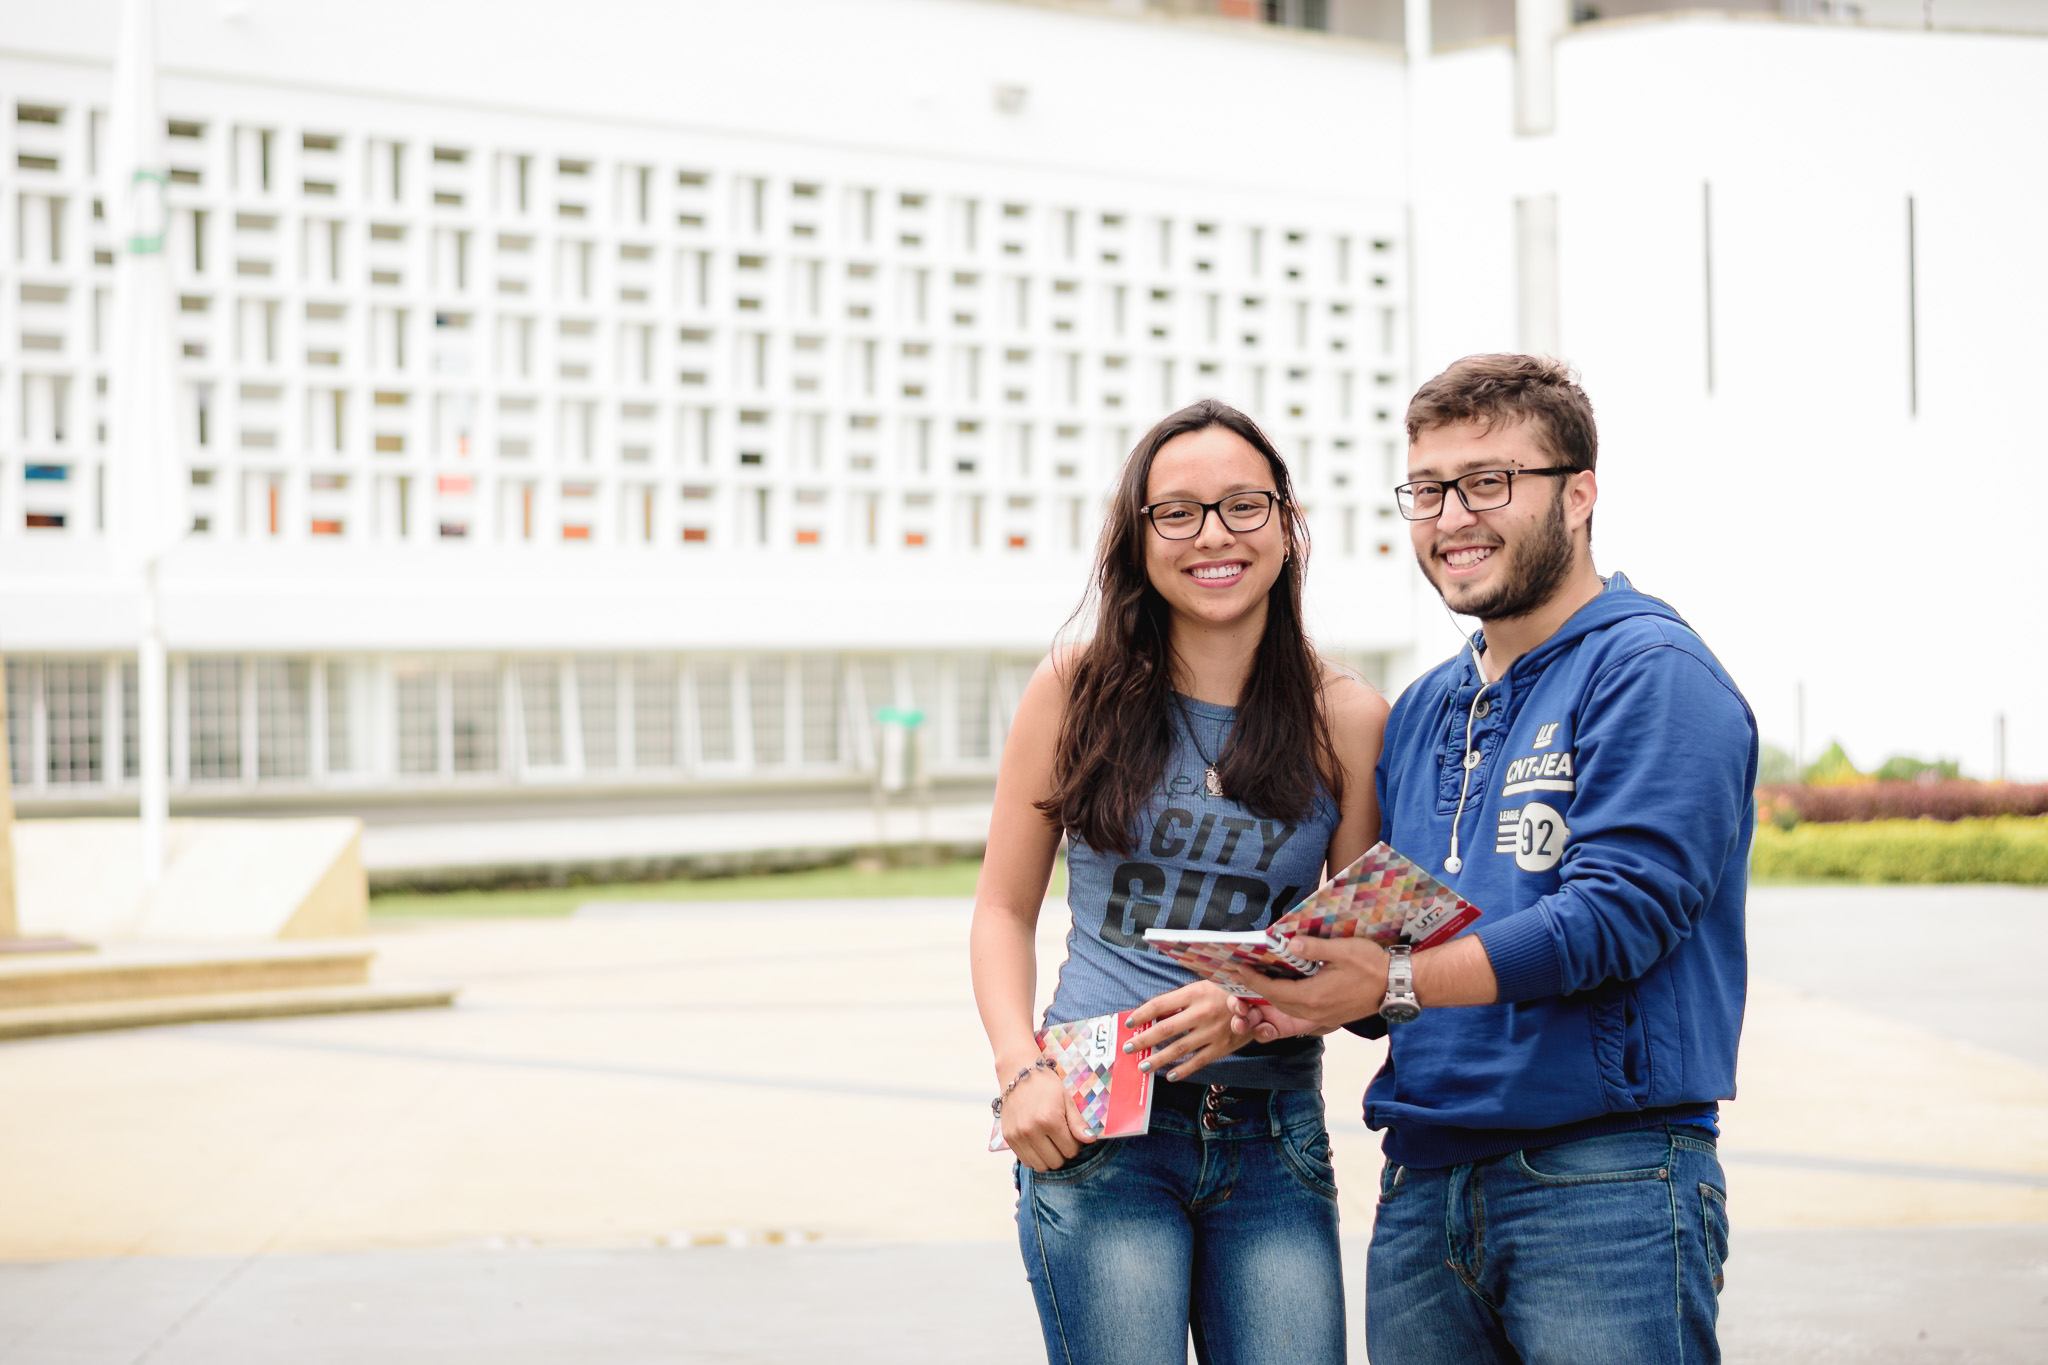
x=1205 y=767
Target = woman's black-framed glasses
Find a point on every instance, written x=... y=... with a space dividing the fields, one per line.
x=1184 y=520
x=1482 y=490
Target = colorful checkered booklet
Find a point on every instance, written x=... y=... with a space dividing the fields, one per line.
x=1114 y=1097
x=1383 y=896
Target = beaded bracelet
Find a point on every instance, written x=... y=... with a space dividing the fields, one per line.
x=995 y=1105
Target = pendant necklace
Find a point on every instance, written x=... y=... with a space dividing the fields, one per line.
x=1212 y=781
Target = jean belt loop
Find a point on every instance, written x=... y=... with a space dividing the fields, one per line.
x=1274 y=1119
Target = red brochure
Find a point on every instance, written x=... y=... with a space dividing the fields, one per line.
x=1103 y=1081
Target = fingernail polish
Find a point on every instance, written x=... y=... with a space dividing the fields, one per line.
x=1144 y=1066
x=1130 y=1047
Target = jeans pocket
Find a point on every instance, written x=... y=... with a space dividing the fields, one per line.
x=1714 y=1229
x=1392 y=1178
x=1086 y=1162
x=1606 y=1160
x=1307 y=1154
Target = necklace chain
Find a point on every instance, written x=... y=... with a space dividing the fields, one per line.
x=1212 y=780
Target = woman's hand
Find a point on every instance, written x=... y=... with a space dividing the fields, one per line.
x=1189 y=1028
x=1042 y=1125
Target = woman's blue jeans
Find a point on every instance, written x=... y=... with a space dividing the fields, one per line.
x=1221 y=1223
x=1606 y=1251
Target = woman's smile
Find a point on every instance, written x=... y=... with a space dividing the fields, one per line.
x=1217 y=573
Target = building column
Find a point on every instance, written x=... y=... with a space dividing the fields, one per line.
x=10 y=924
x=1538 y=26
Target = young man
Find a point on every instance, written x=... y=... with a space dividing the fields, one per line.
x=1582 y=773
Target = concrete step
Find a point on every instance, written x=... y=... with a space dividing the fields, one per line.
x=133 y=972
x=42 y=1021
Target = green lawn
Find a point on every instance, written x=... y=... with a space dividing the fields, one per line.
x=823 y=883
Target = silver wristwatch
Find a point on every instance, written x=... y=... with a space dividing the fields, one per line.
x=1400 y=1006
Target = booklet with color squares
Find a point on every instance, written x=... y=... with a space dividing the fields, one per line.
x=1383 y=896
x=1114 y=1097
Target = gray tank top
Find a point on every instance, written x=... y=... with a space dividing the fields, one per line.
x=1197 y=862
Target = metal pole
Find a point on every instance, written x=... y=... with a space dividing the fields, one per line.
x=153 y=705
x=1799 y=738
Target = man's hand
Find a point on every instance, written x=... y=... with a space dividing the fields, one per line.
x=1350 y=986
x=1268 y=1022
x=1353 y=981
x=1190 y=1028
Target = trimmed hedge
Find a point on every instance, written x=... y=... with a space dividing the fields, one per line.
x=2005 y=849
x=1904 y=800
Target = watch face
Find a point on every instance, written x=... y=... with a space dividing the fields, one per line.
x=1400 y=1011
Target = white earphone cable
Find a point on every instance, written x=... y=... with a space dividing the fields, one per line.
x=1455 y=864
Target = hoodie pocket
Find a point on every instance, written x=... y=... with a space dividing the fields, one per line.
x=1621 y=1051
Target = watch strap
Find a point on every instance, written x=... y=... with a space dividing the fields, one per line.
x=1400 y=1005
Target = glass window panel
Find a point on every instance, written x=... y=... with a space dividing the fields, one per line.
x=540 y=706
x=654 y=713
x=714 y=712
x=597 y=706
x=821 y=708
x=924 y=691
x=765 y=697
x=419 y=722
x=283 y=699
x=131 y=721
x=971 y=672
x=878 y=682
x=214 y=718
x=21 y=684
x=473 y=698
x=340 y=754
x=74 y=695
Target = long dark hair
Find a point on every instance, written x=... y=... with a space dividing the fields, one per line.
x=1117 y=735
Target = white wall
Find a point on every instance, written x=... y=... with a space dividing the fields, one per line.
x=1147 y=119
x=1809 y=524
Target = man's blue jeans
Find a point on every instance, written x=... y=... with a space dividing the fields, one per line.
x=1605 y=1251
x=1225 y=1229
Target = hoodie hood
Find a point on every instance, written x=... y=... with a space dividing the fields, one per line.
x=1618 y=601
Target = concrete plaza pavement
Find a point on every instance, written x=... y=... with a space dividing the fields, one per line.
x=754 y=1133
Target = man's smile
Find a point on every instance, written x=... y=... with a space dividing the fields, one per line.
x=1466 y=558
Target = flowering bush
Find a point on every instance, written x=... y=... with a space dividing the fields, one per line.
x=1783 y=804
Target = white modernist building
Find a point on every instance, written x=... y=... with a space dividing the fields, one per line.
x=642 y=395
x=649 y=404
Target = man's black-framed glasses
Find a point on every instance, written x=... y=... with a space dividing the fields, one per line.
x=1239 y=512
x=1482 y=490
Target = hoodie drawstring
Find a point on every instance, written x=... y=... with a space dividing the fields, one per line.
x=1454 y=864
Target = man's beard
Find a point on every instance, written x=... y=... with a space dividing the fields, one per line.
x=1539 y=567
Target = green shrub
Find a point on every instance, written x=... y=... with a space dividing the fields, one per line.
x=1906 y=768
x=2007 y=848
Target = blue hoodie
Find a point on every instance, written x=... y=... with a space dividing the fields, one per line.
x=1605 y=834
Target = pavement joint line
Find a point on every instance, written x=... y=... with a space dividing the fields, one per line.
x=802 y=1085
x=199 y=1305
x=754 y=960
x=702 y=1006
x=1890 y=1170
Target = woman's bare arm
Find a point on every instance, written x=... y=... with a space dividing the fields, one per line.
x=1358 y=727
x=1042 y=1128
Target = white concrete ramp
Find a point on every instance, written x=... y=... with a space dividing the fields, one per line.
x=226 y=880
